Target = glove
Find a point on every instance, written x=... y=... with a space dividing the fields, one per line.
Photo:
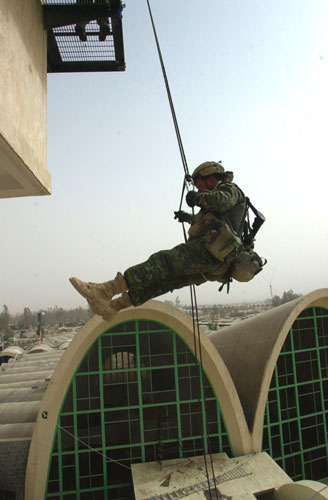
x=191 y=198
x=182 y=216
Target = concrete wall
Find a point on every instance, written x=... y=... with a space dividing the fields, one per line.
x=23 y=88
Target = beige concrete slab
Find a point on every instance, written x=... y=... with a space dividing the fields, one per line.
x=23 y=100
x=237 y=479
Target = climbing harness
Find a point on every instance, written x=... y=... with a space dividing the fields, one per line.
x=194 y=308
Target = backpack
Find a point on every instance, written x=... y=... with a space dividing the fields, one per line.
x=247 y=264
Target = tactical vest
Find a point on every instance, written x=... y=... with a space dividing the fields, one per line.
x=207 y=220
x=222 y=234
x=236 y=216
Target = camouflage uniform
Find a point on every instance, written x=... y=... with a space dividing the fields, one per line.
x=190 y=263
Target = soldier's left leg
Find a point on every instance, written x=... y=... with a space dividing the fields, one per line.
x=186 y=264
x=167 y=270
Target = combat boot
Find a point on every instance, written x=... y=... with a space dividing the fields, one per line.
x=99 y=291
x=103 y=309
x=80 y=31
x=121 y=302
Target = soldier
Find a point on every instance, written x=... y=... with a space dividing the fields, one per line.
x=214 y=235
x=103 y=22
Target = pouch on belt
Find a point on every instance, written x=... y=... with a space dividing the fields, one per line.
x=222 y=242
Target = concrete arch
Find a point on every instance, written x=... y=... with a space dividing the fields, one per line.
x=302 y=490
x=40 y=348
x=64 y=345
x=251 y=349
x=9 y=354
x=12 y=351
x=216 y=371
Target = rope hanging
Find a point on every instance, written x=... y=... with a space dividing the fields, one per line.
x=194 y=307
x=175 y=121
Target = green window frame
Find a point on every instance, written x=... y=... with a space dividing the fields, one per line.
x=138 y=395
x=295 y=422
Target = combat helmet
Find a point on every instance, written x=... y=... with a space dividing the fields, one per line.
x=207 y=168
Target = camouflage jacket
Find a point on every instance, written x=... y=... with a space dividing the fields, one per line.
x=225 y=203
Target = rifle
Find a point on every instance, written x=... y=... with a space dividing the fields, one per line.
x=249 y=231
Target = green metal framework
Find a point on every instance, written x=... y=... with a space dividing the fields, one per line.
x=295 y=423
x=137 y=396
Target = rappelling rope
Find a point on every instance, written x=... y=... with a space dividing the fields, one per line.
x=192 y=287
x=175 y=121
x=201 y=385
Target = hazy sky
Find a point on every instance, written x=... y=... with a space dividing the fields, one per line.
x=249 y=81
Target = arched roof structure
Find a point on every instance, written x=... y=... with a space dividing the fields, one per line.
x=216 y=371
x=12 y=351
x=239 y=362
x=250 y=350
x=23 y=383
x=9 y=354
x=39 y=348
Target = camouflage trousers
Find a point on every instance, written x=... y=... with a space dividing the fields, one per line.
x=186 y=264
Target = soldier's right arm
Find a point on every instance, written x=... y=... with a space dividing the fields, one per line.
x=221 y=200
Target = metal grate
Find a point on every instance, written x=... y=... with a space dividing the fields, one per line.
x=136 y=397
x=295 y=426
x=71 y=49
x=67 y=53
x=70 y=2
